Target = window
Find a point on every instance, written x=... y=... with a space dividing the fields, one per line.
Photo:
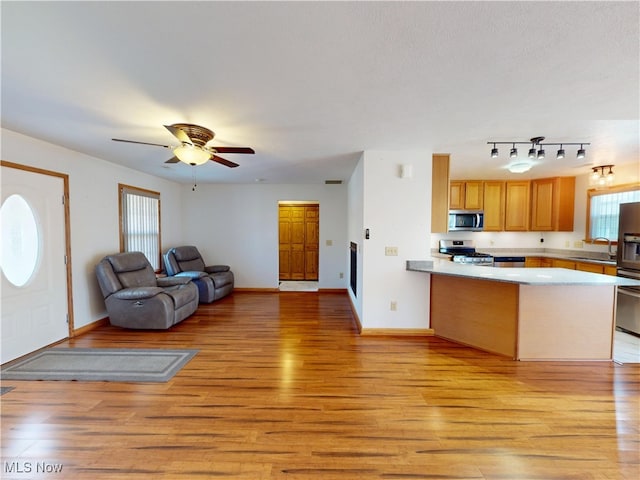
x=140 y=223
x=603 y=208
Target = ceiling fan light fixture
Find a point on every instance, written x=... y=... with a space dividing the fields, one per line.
x=191 y=155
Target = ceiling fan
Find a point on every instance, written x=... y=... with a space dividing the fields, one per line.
x=193 y=149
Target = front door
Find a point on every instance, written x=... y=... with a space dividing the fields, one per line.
x=298 y=241
x=33 y=261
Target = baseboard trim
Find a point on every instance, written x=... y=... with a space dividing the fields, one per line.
x=356 y=318
x=91 y=326
x=332 y=290
x=260 y=290
x=397 y=332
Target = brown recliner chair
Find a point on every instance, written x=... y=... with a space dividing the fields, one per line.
x=213 y=281
x=135 y=298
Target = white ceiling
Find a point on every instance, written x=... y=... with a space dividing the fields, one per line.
x=309 y=85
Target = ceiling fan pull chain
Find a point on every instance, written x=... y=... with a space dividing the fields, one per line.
x=193 y=173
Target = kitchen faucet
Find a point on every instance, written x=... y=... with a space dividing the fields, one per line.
x=609 y=252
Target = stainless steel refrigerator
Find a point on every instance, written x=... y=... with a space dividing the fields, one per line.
x=628 y=263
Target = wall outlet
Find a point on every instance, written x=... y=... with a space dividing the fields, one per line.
x=329 y=243
x=391 y=251
x=341 y=275
x=394 y=305
x=567 y=244
x=578 y=244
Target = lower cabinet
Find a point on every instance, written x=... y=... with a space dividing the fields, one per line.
x=570 y=264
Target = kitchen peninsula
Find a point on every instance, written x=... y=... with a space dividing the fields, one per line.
x=524 y=313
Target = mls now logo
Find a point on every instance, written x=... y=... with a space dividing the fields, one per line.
x=32 y=467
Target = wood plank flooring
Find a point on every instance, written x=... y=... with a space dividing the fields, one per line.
x=283 y=387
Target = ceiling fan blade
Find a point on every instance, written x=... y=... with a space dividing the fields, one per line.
x=173 y=160
x=179 y=134
x=233 y=149
x=224 y=162
x=141 y=143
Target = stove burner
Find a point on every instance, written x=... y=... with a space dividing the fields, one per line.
x=464 y=251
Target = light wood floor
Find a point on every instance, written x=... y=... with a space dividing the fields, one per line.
x=284 y=388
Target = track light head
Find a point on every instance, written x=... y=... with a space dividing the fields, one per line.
x=581 y=152
x=514 y=152
x=560 y=154
x=494 y=151
x=541 y=154
x=532 y=153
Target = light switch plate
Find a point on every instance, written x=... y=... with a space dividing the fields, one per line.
x=391 y=251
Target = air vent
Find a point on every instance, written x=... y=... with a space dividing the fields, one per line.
x=333 y=182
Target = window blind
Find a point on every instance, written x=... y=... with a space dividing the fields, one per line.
x=141 y=223
x=605 y=210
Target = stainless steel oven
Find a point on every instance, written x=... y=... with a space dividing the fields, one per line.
x=628 y=307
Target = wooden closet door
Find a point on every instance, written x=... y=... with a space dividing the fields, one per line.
x=298 y=242
x=312 y=240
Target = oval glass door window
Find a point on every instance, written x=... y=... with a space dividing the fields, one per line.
x=20 y=240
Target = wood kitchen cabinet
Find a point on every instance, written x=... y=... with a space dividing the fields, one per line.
x=494 y=205
x=465 y=195
x=517 y=195
x=439 y=192
x=552 y=202
x=537 y=262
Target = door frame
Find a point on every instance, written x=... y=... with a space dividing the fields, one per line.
x=67 y=231
x=298 y=203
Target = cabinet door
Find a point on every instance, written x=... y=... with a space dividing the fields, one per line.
x=589 y=267
x=456 y=195
x=552 y=201
x=493 y=201
x=439 y=192
x=532 y=262
x=560 y=263
x=517 y=205
x=473 y=195
x=542 y=218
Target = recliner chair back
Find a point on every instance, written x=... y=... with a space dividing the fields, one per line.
x=183 y=259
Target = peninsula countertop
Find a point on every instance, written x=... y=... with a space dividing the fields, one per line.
x=522 y=276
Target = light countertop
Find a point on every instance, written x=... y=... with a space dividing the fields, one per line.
x=523 y=276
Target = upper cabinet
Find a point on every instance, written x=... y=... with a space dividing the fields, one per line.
x=552 y=201
x=465 y=195
x=494 y=205
x=517 y=205
x=439 y=192
x=544 y=204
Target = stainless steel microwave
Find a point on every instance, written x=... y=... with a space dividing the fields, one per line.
x=466 y=220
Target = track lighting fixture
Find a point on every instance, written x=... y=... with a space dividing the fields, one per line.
x=537 y=151
x=600 y=176
x=494 y=151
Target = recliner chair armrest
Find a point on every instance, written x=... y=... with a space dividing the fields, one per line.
x=193 y=275
x=137 y=293
x=217 y=268
x=172 y=281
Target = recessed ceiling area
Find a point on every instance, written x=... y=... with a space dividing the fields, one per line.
x=310 y=85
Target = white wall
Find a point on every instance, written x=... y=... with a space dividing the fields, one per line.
x=237 y=225
x=93 y=205
x=397 y=213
